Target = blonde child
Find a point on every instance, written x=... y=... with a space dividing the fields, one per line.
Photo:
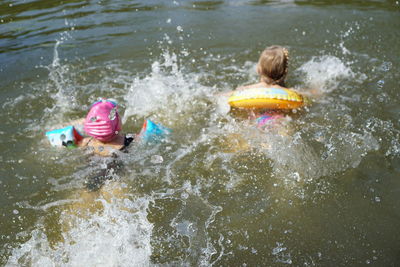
x=272 y=68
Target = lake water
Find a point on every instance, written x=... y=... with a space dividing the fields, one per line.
x=218 y=192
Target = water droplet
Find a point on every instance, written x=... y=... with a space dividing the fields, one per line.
x=296 y=176
x=93 y=119
x=15 y=211
x=113 y=114
x=156 y=159
x=380 y=83
x=377 y=199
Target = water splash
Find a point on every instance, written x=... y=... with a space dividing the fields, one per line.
x=325 y=73
x=118 y=233
x=165 y=90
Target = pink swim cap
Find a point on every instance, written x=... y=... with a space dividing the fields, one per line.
x=103 y=122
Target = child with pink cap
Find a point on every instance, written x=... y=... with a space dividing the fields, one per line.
x=102 y=126
x=103 y=121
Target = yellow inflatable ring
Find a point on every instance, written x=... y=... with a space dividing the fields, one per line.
x=268 y=98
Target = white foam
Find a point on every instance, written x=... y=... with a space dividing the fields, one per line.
x=121 y=233
x=324 y=73
x=164 y=90
x=295 y=161
x=118 y=235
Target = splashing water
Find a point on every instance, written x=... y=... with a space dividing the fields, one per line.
x=220 y=191
x=115 y=235
x=325 y=73
x=165 y=91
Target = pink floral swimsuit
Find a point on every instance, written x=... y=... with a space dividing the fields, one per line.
x=267 y=118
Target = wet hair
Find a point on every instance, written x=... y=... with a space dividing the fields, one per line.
x=273 y=65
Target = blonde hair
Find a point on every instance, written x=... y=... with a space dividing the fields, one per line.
x=273 y=65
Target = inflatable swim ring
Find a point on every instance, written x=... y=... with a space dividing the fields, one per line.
x=268 y=98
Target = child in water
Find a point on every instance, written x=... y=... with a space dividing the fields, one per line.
x=272 y=67
x=102 y=127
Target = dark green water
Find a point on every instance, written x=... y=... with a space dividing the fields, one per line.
x=327 y=194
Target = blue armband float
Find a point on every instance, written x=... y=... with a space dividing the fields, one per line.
x=153 y=133
x=67 y=137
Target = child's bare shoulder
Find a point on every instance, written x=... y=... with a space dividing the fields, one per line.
x=261 y=85
x=103 y=148
x=250 y=86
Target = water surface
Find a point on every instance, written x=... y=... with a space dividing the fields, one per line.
x=218 y=191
